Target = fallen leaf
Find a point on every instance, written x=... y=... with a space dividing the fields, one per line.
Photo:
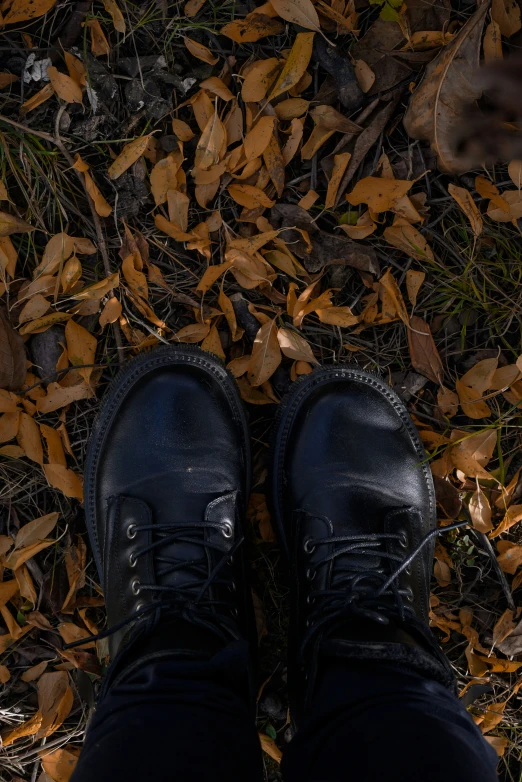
x=506 y=13
x=268 y=745
x=249 y=196
x=389 y=284
x=192 y=334
x=468 y=206
x=55 y=700
x=291 y=108
x=37 y=99
x=266 y=354
x=435 y=110
x=36 y=531
x=364 y=74
x=111 y=312
x=227 y=308
x=182 y=130
x=515 y=172
x=338 y=316
x=27 y=728
x=498 y=743
x=99 y=43
x=480 y=376
x=6 y=79
x=11 y=224
x=128 y=156
x=340 y=164
x=58 y=397
x=12 y=356
x=297 y=62
x=424 y=355
x=414 y=280
x=251 y=29
x=492 y=43
x=300 y=12
x=200 y=51
x=65 y=480
x=510 y=557
x=65 y=87
x=28 y=438
x=447 y=401
x=34 y=672
x=512 y=516
x=24 y=11
x=59 y=764
x=210 y=144
x=5 y=674
x=379 y=194
x=81 y=348
x=480 y=510
x=9 y=424
x=503 y=627
x=212 y=343
x=294 y=346
x=117 y=17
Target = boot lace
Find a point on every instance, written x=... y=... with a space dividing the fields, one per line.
x=191 y=600
x=356 y=591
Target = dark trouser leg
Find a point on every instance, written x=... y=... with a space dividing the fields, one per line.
x=188 y=721
x=373 y=722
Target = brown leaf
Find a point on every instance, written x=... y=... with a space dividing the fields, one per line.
x=424 y=355
x=480 y=510
x=81 y=348
x=364 y=75
x=117 y=17
x=36 y=531
x=37 y=99
x=65 y=480
x=338 y=316
x=128 y=156
x=294 y=346
x=29 y=439
x=249 y=196
x=111 y=312
x=59 y=764
x=24 y=11
x=506 y=13
x=99 y=43
x=389 y=283
x=257 y=139
x=435 y=110
x=480 y=377
x=65 y=87
x=503 y=627
x=12 y=355
x=35 y=672
x=212 y=343
x=331 y=119
x=468 y=206
x=9 y=424
x=55 y=700
x=58 y=397
x=6 y=79
x=471 y=402
x=340 y=163
x=291 y=108
x=210 y=144
x=414 y=280
x=447 y=401
x=195 y=332
x=297 y=62
x=254 y=27
x=379 y=194
x=300 y=12
x=266 y=354
x=200 y=51
x=406 y=238
x=510 y=557
x=27 y=728
x=492 y=44
x=11 y=224
x=268 y=745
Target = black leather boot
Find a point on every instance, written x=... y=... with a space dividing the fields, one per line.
x=355 y=509
x=166 y=482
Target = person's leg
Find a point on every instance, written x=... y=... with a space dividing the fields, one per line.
x=372 y=695
x=380 y=723
x=167 y=478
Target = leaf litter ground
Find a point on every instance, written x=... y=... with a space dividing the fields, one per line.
x=287 y=185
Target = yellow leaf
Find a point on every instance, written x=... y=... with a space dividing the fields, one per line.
x=239 y=367
x=300 y=12
x=340 y=163
x=506 y=13
x=136 y=279
x=266 y=354
x=338 y=316
x=227 y=308
x=117 y=17
x=405 y=237
x=24 y=11
x=487 y=189
x=35 y=308
x=294 y=346
x=34 y=672
x=292 y=145
x=182 y=130
x=364 y=227
x=65 y=87
x=8 y=589
x=514 y=200
x=389 y=283
x=211 y=142
x=200 y=51
x=296 y=64
x=102 y=207
x=468 y=206
x=308 y=200
x=317 y=138
x=81 y=348
x=492 y=43
x=414 y=280
x=211 y=275
x=471 y=403
x=6 y=79
x=379 y=194
x=480 y=510
x=111 y=312
x=98 y=289
x=515 y=172
x=18 y=557
x=258 y=79
x=65 y=480
x=99 y=43
x=178 y=204
x=9 y=424
x=269 y=746
x=212 y=343
x=4 y=674
x=364 y=75
x=55 y=452
x=10 y=224
x=195 y=332
x=37 y=99
x=72 y=271
x=258 y=138
x=36 y=531
x=27 y=728
x=254 y=27
x=291 y=108
x=163 y=178
x=55 y=700
x=128 y=156
x=58 y=397
x=217 y=86
x=249 y=196
x=28 y=438
x=76 y=69
x=59 y=764
x=480 y=376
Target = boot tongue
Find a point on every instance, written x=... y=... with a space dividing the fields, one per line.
x=170 y=556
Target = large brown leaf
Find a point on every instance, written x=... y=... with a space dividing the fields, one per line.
x=425 y=357
x=12 y=355
x=435 y=111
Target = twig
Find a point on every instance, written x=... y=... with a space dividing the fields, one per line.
x=498 y=570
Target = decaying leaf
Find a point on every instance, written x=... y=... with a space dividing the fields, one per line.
x=12 y=355
x=468 y=206
x=296 y=64
x=424 y=354
x=200 y=51
x=300 y=12
x=435 y=110
x=266 y=354
x=128 y=156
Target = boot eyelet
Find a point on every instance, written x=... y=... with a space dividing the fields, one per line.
x=135 y=586
x=133 y=559
x=235 y=613
x=309 y=549
x=232 y=587
x=403 y=540
x=410 y=597
x=139 y=606
x=311 y=574
x=132 y=531
x=310 y=600
x=227 y=530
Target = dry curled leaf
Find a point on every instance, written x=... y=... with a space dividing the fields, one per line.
x=294 y=346
x=435 y=110
x=295 y=66
x=468 y=206
x=12 y=355
x=200 y=51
